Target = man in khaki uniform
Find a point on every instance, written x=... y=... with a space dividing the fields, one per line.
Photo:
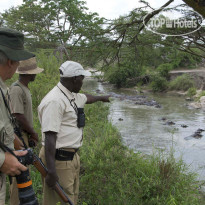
x=62 y=120
x=21 y=107
x=11 y=52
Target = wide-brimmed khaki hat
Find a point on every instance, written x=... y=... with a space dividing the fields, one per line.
x=29 y=67
x=11 y=44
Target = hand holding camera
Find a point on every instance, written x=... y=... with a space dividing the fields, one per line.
x=11 y=165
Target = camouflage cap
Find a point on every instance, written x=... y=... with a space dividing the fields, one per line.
x=12 y=45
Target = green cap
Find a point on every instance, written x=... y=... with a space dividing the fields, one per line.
x=11 y=43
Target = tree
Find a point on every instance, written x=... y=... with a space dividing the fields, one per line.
x=126 y=31
x=51 y=22
x=197 y=5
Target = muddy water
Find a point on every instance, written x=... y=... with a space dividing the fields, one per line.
x=143 y=130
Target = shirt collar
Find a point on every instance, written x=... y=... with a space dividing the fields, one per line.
x=66 y=91
x=21 y=84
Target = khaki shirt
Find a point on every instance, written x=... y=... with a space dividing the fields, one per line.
x=21 y=101
x=6 y=128
x=57 y=115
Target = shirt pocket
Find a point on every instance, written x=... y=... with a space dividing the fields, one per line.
x=8 y=135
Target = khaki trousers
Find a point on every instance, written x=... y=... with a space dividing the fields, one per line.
x=2 y=188
x=14 y=195
x=68 y=173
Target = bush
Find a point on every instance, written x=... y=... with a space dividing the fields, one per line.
x=201 y=94
x=164 y=69
x=191 y=92
x=158 y=83
x=183 y=82
x=122 y=75
x=182 y=59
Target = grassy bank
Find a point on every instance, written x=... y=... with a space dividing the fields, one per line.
x=110 y=173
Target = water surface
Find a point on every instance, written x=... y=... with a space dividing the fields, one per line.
x=142 y=130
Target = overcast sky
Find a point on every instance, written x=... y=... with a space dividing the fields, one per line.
x=105 y=8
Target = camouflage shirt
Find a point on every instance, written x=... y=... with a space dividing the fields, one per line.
x=6 y=128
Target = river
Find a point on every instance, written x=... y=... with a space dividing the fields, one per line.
x=143 y=130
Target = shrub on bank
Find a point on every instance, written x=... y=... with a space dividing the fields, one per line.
x=183 y=82
x=164 y=69
x=121 y=75
x=202 y=93
x=158 y=82
x=191 y=92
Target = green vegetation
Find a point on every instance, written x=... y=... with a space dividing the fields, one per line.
x=201 y=94
x=158 y=82
x=129 y=55
x=191 y=92
x=164 y=69
x=121 y=48
x=110 y=173
x=120 y=75
x=183 y=82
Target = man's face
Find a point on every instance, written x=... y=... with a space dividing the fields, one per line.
x=12 y=68
x=78 y=83
x=32 y=77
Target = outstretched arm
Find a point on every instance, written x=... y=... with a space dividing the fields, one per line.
x=92 y=98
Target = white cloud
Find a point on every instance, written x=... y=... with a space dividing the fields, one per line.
x=114 y=8
x=6 y=4
x=111 y=8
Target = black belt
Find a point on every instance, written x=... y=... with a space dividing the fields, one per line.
x=63 y=155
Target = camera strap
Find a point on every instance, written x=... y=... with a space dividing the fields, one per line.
x=6 y=149
x=75 y=107
x=13 y=120
x=7 y=106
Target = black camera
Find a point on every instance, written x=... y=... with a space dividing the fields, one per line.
x=81 y=118
x=24 y=183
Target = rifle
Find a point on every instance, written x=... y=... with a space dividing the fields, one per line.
x=18 y=145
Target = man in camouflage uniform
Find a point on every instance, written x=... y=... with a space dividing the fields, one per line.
x=11 y=52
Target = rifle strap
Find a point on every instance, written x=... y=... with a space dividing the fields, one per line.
x=7 y=106
x=72 y=102
x=6 y=149
x=13 y=120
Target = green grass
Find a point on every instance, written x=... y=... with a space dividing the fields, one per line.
x=183 y=82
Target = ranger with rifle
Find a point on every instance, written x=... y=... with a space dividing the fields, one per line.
x=11 y=52
x=21 y=108
x=20 y=144
x=62 y=120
